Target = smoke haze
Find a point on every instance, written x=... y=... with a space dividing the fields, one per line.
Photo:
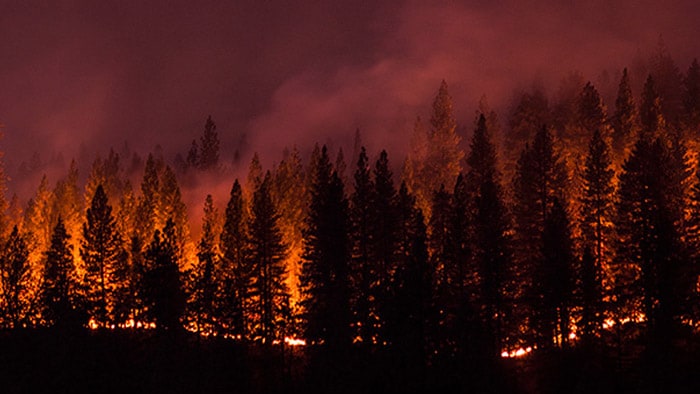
x=81 y=76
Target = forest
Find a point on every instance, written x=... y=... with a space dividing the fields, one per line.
x=559 y=252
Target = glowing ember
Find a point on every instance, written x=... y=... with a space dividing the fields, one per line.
x=517 y=353
x=294 y=341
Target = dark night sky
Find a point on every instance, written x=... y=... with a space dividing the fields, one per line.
x=99 y=73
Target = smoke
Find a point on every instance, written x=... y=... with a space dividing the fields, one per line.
x=275 y=74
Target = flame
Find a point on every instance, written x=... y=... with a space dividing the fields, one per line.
x=290 y=341
x=517 y=353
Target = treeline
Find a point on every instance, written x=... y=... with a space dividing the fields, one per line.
x=585 y=232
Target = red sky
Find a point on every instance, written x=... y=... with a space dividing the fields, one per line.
x=98 y=73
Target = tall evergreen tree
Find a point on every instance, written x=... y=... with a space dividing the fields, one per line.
x=15 y=281
x=268 y=253
x=59 y=281
x=443 y=156
x=236 y=266
x=291 y=197
x=384 y=240
x=205 y=274
x=362 y=214
x=491 y=228
x=446 y=276
x=648 y=223
x=412 y=283
x=591 y=112
x=597 y=210
x=540 y=179
x=325 y=270
x=106 y=273
x=556 y=276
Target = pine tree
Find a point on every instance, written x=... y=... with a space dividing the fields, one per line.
x=325 y=270
x=591 y=112
x=60 y=283
x=291 y=197
x=444 y=154
x=491 y=228
x=624 y=122
x=106 y=273
x=649 y=217
x=384 y=241
x=362 y=214
x=590 y=297
x=165 y=298
x=440 y=246
x=540 y=179
x=556 y=276
x=436 y=157
x=413 y=165
x=236 y=266
x=267 y=254
x=209 y=146
x=205 y=274
x=15 y=281
x=412 y=282
x=597 y=210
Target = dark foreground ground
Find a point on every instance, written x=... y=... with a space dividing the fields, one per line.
x=134 y=362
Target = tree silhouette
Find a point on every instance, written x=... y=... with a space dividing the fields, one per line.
x=362 y=215
x=597 y=210
x=648 y=224
x=106 y=272
x=268 y=286
x=15 y=281
x=556 y=275
x=384 y=243
x=540 y=179
x=60 y=282
x=205 y=275
x=325 y=270
x=237 y=265
x=491 y=241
